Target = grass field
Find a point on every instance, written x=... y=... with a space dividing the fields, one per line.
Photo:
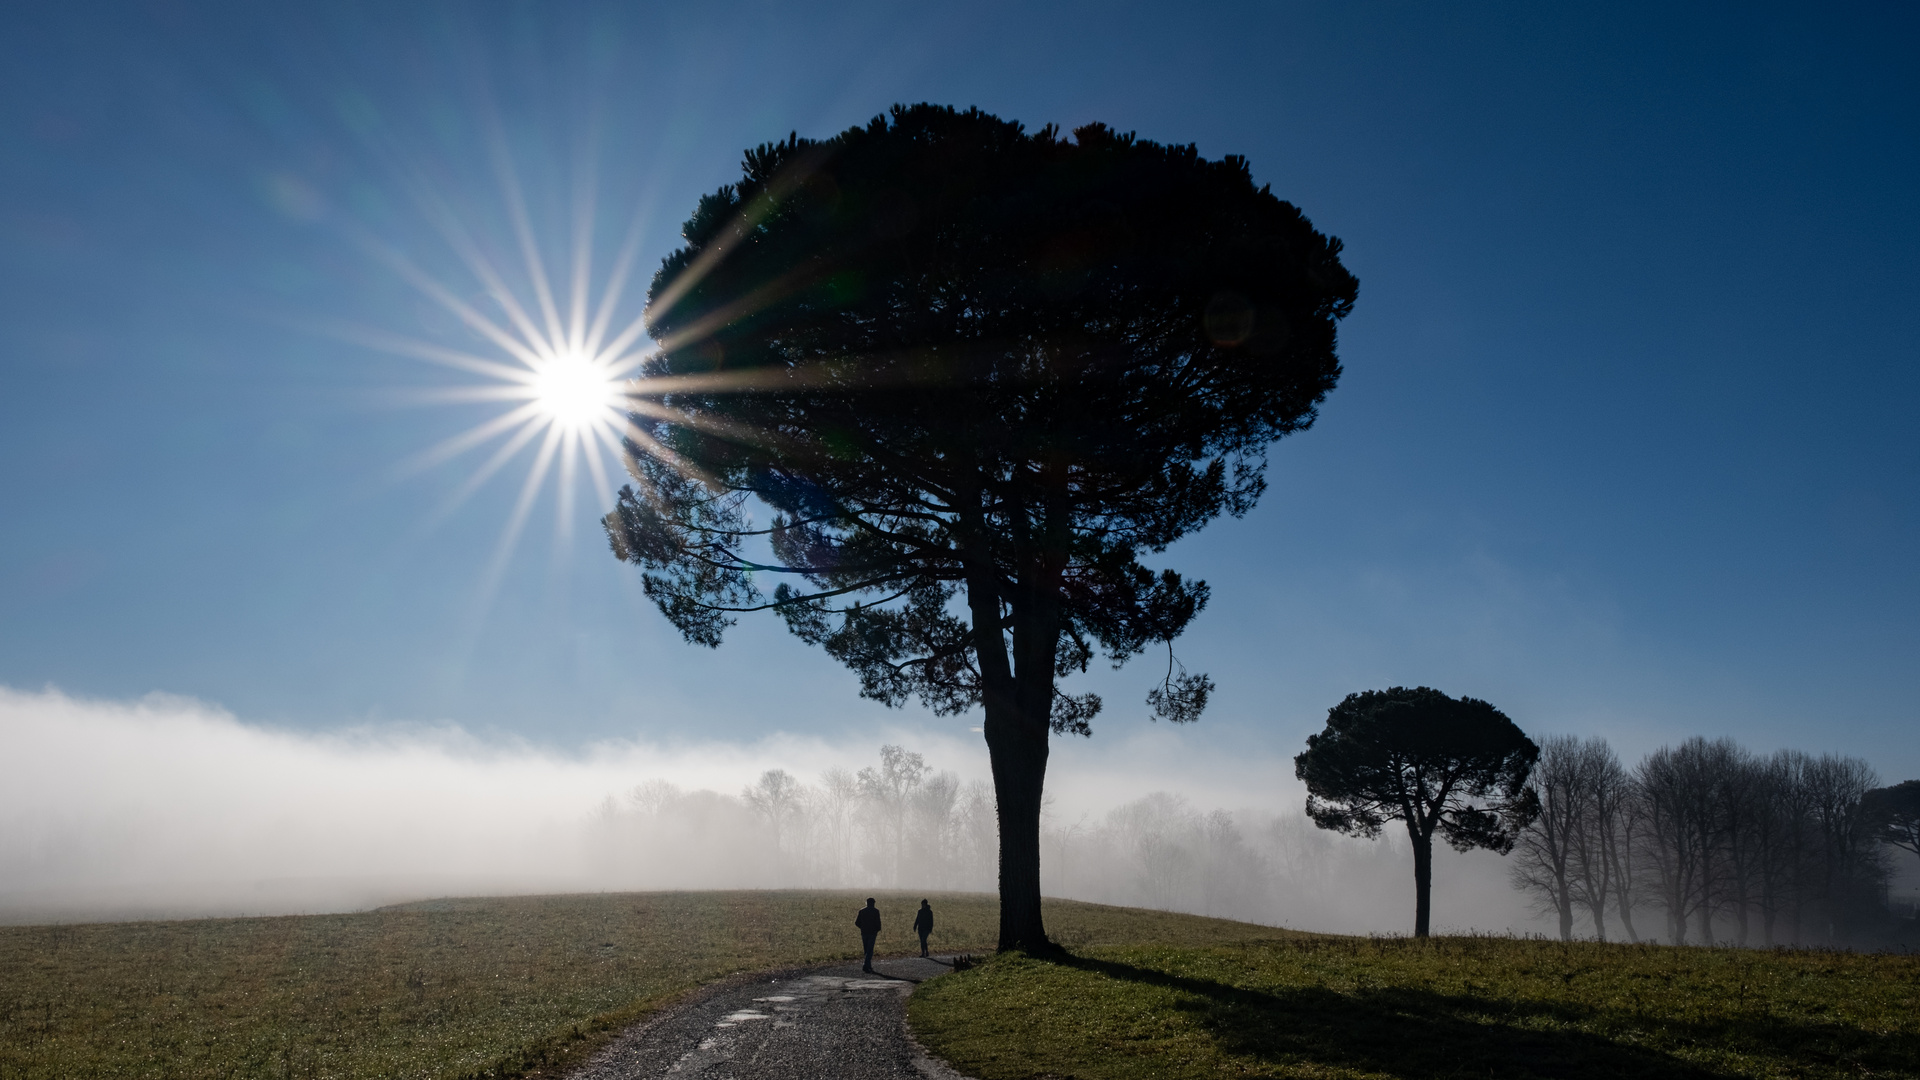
x=523 y=986
x=1354 y=1007
x=443 y=989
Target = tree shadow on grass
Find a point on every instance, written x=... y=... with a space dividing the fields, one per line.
x=1401 y=1031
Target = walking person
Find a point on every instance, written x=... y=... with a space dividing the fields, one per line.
x=923 y=924
x=869 y=923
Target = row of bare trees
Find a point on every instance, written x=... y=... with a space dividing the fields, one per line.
x=1718 y=843
x=898 y=823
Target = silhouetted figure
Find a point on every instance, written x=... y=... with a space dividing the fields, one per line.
x=923 y=924
x=869 y=923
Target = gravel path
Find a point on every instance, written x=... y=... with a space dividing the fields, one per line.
x=831 y=1022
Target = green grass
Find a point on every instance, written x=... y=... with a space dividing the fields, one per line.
x=524 y=986
x=1353 y=1007
x=444 y=989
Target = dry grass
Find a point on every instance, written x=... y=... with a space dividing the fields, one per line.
x=1331 y=1007
x=443 y=989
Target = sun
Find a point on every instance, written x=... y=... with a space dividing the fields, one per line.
x=551 y=355
x=576 y=391
x=560 y=356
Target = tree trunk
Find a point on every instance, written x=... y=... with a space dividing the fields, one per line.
x=1563 y=896
x=1596 y=898
x=1617 y=864
x=1422 y=880
x=1019 y=777
x=1016 y=729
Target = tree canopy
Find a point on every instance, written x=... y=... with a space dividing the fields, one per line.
x=971 y=375
x=1455 y=766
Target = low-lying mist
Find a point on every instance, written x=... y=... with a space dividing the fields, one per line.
x=169 y=808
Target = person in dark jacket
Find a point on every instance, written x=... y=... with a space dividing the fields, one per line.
x=923 y=924
x=869 y=923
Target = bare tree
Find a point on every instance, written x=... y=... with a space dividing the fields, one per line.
x=931 y=829
x=979 y=834
x=890 y=790
x=1799 y=837
x=834 y=802
x=1597 y=834
x=1543 y=856
x=1670 y=783
x=1620 y=811
x=1738 y=790
x=1232 y=875
x=1158 y=831
x=779 y=801
x=1774 y=833
x=1714 y=837
x=1848 y=870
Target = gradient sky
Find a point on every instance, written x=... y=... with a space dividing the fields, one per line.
x=1626 y=441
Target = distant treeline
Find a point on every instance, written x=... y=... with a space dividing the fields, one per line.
x=896 y=824
x=1700 y=843
x=1709 y=842
x=901 y=823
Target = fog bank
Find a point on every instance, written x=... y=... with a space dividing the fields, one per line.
x=168 y=807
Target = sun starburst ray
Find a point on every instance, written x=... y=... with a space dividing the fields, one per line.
x=620 y=365
x=629 y=334
x=522 y=509
x=577 y=288
x=659 y=451
x=530 y=429
x=563 y=506
x=460 y=309
x=617 y=282
x=744 y=222
x=602 y=440
x=559 y=350
x=400 y=345
x=536 y=267
x=453 y=446
x=457 y=395
x=744 y=434
x=752 y=302
x=448 y=224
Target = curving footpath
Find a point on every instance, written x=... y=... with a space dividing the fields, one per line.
x=831 y=1021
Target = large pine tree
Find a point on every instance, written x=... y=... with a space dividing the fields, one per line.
x=972 y=374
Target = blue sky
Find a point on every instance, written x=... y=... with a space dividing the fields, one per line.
x=1625 y=442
